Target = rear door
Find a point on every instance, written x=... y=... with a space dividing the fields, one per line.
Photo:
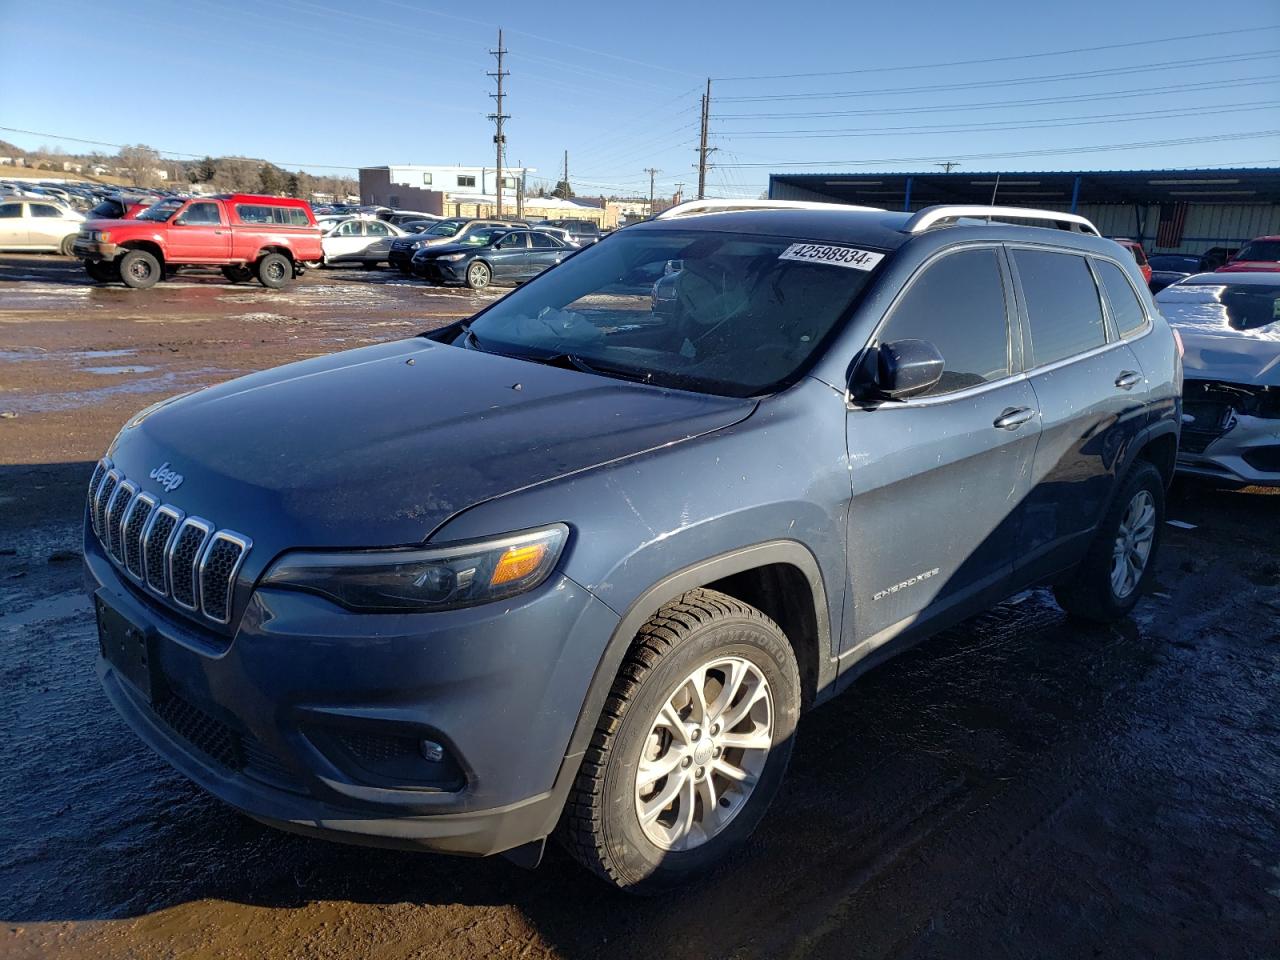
x=939 y=480
x=509 y=256
x=1090 y=389
x=544 y=251
x=13 y=226
x=200 y=234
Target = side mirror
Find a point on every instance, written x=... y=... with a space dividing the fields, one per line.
x=897 y=370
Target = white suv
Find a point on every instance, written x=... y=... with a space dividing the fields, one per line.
x=38 y=225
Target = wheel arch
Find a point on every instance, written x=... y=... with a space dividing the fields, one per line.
x=273 y=248
x=148 y=246
x=781 y=578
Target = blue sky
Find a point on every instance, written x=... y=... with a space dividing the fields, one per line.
x=327 y=84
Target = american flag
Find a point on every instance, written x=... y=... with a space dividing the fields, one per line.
x=1172 y=219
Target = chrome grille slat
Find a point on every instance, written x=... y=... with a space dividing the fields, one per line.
x=116 y=508
x=184 y=559
x=135 y=521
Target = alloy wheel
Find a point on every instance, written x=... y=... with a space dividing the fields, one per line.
x=704 y=753
x=1133 y=544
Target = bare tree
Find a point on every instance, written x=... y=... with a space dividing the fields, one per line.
x=139 y=163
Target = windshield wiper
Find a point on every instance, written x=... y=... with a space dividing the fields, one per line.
x=576 y=362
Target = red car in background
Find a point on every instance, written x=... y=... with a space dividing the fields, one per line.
x=119 y=208
x=1134 y=247
x=1261 y=254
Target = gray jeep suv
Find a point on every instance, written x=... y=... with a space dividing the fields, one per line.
x=577 y=564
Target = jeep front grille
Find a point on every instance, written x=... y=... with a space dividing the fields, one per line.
x=186 y=559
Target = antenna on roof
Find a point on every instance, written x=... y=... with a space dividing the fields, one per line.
x=994 y=189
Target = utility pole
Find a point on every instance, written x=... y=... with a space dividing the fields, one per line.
x=703 y=149
x=566 y=174
x=499 y=140
x=947 y=165
x=520 y=194
x=652 y=172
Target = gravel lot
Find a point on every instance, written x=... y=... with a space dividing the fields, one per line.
x=1018 y=787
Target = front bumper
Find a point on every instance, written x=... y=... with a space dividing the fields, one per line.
x=1248 y=453
x=94 y=250
x=439 y=271
x=311 y=717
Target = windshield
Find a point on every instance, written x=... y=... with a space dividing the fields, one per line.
x=161 y=211
x=443 y=229
x=723 y=313
x=1218 y=307
x=1260 y=250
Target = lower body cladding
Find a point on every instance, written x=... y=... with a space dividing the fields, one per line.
x=1231 y=432
x=443 y=731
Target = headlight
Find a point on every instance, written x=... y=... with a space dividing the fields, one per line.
x=419 y=244
x=452 y=256
x=441 y=578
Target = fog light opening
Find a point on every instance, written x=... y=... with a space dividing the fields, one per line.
x=431 y=751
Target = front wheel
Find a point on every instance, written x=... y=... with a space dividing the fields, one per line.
x=274 y=270
x=1121 y=560
x=140 y=270
x=479 y=276
x=691 y=746
x=68 y=246
x=103 y=271
x=237 y=273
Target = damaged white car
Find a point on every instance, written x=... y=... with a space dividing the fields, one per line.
x=1230 y=328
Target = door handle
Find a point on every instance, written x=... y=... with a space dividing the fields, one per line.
x=1128 y=379
x=219 y=232
x=1013 y=418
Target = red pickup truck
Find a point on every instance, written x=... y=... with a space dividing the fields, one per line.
x=270 y=238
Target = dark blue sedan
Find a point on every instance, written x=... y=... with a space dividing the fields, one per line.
x=484 y=257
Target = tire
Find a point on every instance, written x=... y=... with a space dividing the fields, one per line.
x=140 y=270
x=237 y=273
x=68 y=246
x=1107 y=584
x=274 y=271
x=479 y=276
x=370 y=264
x=706 y=635
x=103 y=271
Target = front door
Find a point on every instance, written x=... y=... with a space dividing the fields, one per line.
x=199 y=234
x=13 y=226
x=509 y=257
x=1083 y=376
x=47 y=225
x=345 y=242
x=378 y=238
x=939 y=479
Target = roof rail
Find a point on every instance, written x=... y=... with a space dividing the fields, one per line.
x=693 y=208
x=931 y=216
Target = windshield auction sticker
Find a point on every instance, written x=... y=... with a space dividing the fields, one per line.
x=835 y=256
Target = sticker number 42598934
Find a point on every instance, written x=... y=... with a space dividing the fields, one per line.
x=835 y=256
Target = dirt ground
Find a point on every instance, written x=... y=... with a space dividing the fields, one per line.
x=1020 y=786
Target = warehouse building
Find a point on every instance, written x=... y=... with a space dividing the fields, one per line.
x=1169 y=211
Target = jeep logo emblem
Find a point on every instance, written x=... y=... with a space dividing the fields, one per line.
x=169 y=479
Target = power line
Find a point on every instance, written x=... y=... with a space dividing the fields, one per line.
x=1015 y=81
x=1067 y=151
x=1126 y=94
x=998 y=125
x=1006 y=59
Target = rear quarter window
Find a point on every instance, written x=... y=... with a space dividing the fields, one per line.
x=1126 y=309
x=1063 y=308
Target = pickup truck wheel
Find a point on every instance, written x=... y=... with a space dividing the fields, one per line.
x=274 y=270
x=691 y=746
x=237 y=273
x=140 y=270
x=1108 y=582
x=479 y=276
x=68 y=246
x=371 y=264
x=103 y=271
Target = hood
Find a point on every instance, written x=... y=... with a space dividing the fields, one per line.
x=434 y=249
x=1233 y=359
x=131 y=223
x=379 y=446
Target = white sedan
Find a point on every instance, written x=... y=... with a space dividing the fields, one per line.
x=358 y=240
x=27 y=224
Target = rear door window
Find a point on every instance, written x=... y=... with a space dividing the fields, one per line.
x=958 y=305
x=10 y=211
x=1063 y=307
x=1126 y=309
